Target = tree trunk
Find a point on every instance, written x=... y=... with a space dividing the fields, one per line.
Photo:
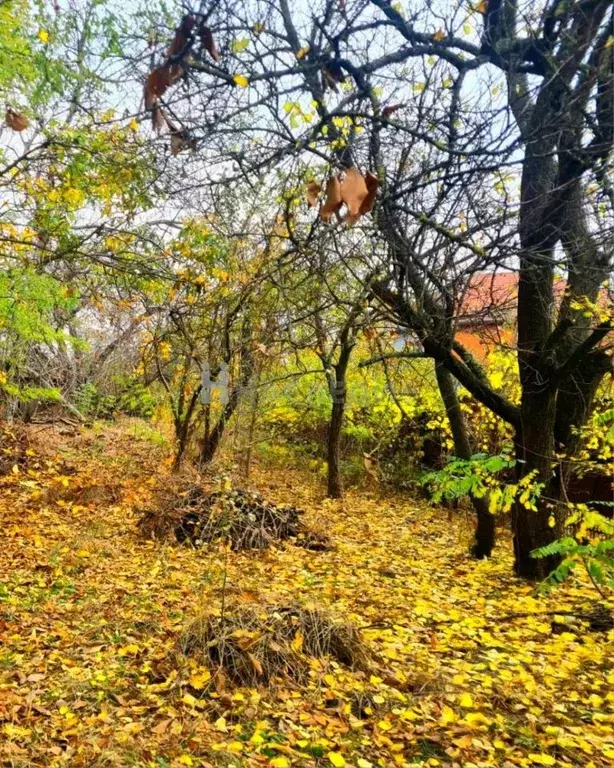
x=214 y=437
x=535 y=453
x=251 y=430
x=335 y=485
x=485 y=525
x=338 y=394
x=182 y=441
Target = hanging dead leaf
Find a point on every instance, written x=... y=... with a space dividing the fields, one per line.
x=332 y=73
x=181 y=140
x=391 y=109
x=372 y=182
x=15 y=120
x=182 y=37
x=333 y=201
x=206 y=37
x=313 y=192
x=158 y=82
x=353 y=193
x=158 y=120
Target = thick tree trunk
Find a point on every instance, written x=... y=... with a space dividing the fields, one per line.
x=535 y=453
x=485 y=525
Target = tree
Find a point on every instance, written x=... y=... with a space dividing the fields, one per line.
x=301 y=86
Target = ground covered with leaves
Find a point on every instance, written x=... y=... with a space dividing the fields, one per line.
x=453 y=662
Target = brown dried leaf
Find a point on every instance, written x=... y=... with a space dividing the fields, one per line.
x=182 y=35
x=313 y=192
x=353 y=193
x=391 y=109
x=372 y=182
x=333 y=201
x=255 y=664
x=158 y=82
x=206 y=36
x=158 y=120
x=15 y=120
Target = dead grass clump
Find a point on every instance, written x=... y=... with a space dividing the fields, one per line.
x=250 y=648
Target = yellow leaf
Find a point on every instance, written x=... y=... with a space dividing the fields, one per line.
x=43 y=35
x=240 y=80
x=384 y=725
x=466 y=701
x=464 y=742
x=302 y=52
x=200 y=679
x=280 y=762
x=220 y=724
x=129 y=650
x=336 y=759
x=362 y=763
x=133 y=124
x=447 y=715
x=439 y=35
x=185 y=760
x=476 y=717
x=235 y=746
x=542 y=759
x=297 y=643
x=188 y=699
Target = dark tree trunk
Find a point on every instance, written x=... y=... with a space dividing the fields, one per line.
x=182 y=441
x=183 y=427
x=214 y=437
x=337 y=385
x=534 y=453
x=333 y=453
x=485 y=525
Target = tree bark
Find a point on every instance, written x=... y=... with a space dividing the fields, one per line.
x=338 y=391
x=333 y=455
x=485 y=524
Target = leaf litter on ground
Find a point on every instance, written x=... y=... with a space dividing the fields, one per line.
x=92 y=615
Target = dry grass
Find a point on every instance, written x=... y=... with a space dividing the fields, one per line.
x=251 y=648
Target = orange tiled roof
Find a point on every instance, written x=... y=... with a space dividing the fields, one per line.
x=491 y=296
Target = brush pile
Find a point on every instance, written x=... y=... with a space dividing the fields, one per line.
x=250 y=647
x=242 y=518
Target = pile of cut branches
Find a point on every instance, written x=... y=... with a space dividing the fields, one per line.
x=250 y=647
x=242 y=518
